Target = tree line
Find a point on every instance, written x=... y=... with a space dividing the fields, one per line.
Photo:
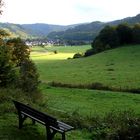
x=114 y=36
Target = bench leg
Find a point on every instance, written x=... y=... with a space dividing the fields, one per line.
x=50 y=135
x=21 y=119
x=63 y=136
x=33 y=121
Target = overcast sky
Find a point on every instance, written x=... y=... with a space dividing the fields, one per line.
x=65 y=12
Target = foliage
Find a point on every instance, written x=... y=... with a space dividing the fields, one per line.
x=89 y=52
x=77 y=55
x=111 y=37
x=16 y=67
x=7 y=71
x=117 y=125
x=107 y=39
x=3 y=33
x=29 y=76
x=125 y=33
x=136 y=33
x=20 y=51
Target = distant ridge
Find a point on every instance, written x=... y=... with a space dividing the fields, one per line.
x=37 y=30
x=88 y=32
x=84 y=31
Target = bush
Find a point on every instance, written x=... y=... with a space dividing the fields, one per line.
x=77 y=55
x=55 y=51
x=9 y=94
x=118 y=126
x=89 y=52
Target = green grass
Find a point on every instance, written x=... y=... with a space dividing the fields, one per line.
x=9 y=130
x=118 y=68
x=63 y=52
x=68 y=49
x=89 y=102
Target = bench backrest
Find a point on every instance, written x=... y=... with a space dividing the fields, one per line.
x=42 y=117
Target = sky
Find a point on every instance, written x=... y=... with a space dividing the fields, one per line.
x=66 y=12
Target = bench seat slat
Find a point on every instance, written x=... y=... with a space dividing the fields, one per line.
x=64 y=125
x=32 y=117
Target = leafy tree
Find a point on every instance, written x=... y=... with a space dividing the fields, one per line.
x=98 y=46
x=29 y=77
x=107 y=38
x=20 y=50
x=136 y=33
x=7 y=71
x=125 y=33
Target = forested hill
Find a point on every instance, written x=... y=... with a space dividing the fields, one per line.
x=41 y=29
x=37 y=30
x=89 y=31
x=84 y=31
x=15 y=30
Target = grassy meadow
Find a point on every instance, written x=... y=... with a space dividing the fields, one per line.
x=82 y=108
x=118 y=68
x=88 y=102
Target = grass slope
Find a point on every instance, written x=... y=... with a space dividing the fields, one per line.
x=60 y=102
x=118 y=68
x=89 y=102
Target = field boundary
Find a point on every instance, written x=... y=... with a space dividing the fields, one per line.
x=95 y=86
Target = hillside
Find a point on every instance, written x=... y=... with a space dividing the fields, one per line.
x=37 y=30
x=15 y=30
x=84 y=31
x=88 y=32
x=117 y=68
x=105 y=111
x=43 y=30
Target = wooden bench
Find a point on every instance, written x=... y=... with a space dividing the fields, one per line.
x=52 y=124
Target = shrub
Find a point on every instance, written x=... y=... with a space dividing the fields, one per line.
x=77 y=55
x=55 y=51
x=117 y=126
x=89 y=52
